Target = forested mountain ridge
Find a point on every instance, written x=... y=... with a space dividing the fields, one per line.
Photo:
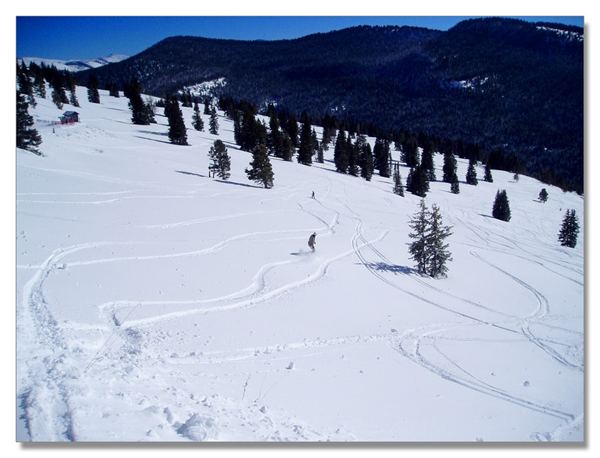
x=504 y=84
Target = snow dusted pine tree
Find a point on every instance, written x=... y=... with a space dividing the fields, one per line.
x=429 y=249
x=418 y=248
x=437 y=251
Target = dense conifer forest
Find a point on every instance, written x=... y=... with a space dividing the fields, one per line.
x=512 y=89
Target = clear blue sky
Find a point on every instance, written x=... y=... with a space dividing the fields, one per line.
x=87 y=37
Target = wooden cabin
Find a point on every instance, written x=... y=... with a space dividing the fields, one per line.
x=69 y=117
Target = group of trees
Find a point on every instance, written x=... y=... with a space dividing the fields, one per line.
x=428 y=248
x=283 y=138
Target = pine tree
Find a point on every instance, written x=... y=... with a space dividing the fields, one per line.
x=543 y=196
x=569 y=230
x=454 y=186
x=437 y=254
x=398 y=187
x=220 y=161
x=353 y=158
x=261 y=170
x=449 y=168
x=429 y=249
x=417 y=183
x=381 y=154
x=501 y=209
x=288 y=148
x=418 y=248
x=488 y=173
x=27 y=137
x=177 y=130
x=365 y=157
x=213 y=123
x=39 y=85
x=472 y=173
x=305 y=150
x=25 y=86
x=275 y=136
x=410 y=152
x=340 y=155
x=197 y=121
x=427 y=162
x=92 y=87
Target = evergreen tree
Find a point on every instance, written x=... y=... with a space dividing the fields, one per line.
x=381 y=153
x=113 y=90
x=429 y=249
x=488 y=173
x=59 y=98
x=427 y=162
x=197 y=121
x=418 y=248
x=398 y=187
x=92 y=87
x=436 y=253
x=449 y=168
x=39 y=85
x=501 y=209
x=365 y=157
x=353 y=158
x=275 y=136
x=213 y=123
x=305 y=150
x=454 y=186
x=27 y=137
x=569 y=230
x=292 y=129
x=417 y=183
x=472 y=173
x=139 y=113
x=410 y=152
x=25 y=86
x=260 y=168
x=340 y=155
x=220 y=161
x=288 y=148
x=543 y=196
x=177 y=130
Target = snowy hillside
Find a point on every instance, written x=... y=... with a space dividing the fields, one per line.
x=75 y=65
x=157 y=304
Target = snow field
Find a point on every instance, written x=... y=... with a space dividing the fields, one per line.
x=157 y=304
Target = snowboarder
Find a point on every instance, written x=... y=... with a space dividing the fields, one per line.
x=312 y=242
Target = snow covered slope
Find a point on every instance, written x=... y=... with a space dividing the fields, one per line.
x=157 y=304
x=75 y=65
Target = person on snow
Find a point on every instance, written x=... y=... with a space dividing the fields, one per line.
x=312 y=242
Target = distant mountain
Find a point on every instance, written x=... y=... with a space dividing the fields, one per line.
x=76 y=65
x=504 y=84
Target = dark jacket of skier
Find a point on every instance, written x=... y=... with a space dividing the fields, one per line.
x=312 y=242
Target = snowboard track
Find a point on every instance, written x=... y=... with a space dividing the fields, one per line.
x=455 y=373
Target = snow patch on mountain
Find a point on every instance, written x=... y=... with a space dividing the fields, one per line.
x=74 y=65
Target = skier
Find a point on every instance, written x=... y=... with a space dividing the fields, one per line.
x=312 y=242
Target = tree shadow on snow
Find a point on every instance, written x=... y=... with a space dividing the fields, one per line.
x=395 y=269
x=191 y=173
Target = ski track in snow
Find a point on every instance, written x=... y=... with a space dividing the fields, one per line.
x=55 y=364
x=410 y=343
